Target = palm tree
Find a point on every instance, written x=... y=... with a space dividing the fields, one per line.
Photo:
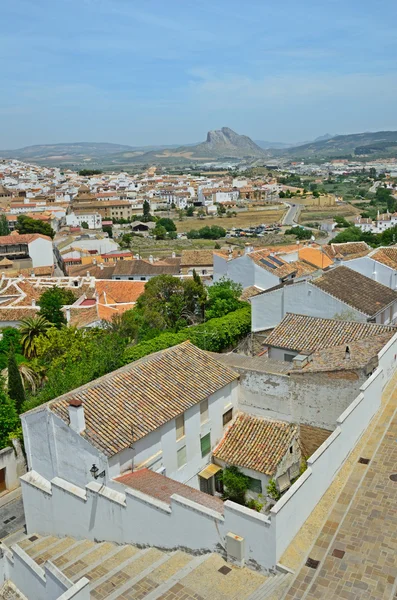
x=32 y=378
x=30 y=329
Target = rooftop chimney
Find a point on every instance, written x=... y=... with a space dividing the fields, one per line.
x=67 y=310
x=248 y=249
x=88 y=273
x=173 y=255
x=76 y=415
x=151 y=259
x=33 y=302
x=101 y=266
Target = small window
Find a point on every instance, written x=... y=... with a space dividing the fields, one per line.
x=131 y=278
x=204 y=411
x=255 y=485
x=205 y=443
x=227 y=417
x=181 y=457
x=289 y=357
x=143 y=278
x=180 y=426
x=291 y=449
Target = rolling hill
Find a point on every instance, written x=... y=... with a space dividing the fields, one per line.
x=371 y=144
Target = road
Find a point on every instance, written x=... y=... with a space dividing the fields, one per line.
x=12 y=517
x=292 y=214
x=374 y=187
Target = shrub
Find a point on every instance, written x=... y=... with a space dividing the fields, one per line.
x=235 y=484
x=214 y=335
x=272 y=490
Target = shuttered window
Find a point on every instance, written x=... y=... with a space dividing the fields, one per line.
x=180 y=426
x=203 y=411
x=205 y=442
x=181 y=457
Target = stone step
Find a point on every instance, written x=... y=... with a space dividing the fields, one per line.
x=89 y=559
x=34 y=542
x=100 y=570
x=191 y=564
x=52 y=551
x=273 y=587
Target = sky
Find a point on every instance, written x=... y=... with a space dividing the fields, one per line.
x=167 y=71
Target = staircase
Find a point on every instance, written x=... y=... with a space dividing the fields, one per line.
x=131 y=573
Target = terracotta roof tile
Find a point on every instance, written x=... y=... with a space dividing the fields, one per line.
x=256 y=443
x=356 y=290
x=161 y=487
x=271 y=263
x=308 y=334
x=311 y=438
x=315 y=257
x=120 y=291
x=199 y=258
x=144 y=267
x=386 y=256
x=124 y=406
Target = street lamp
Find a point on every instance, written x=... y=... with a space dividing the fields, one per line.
x=95 y=472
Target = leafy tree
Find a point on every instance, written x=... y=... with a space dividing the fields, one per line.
x=30 y=329
x=15 y=387
x=235 y=484
x=160 y=232
x=126 y=239
x=172 y=235
x=51 y=302
x=28 y=225
x=4 y=229
x=190 y=211
x=300 y=232
x=221 y=210
x=210 y=233
x=167 y=223
x=9 y=420
x=372 y=172
x=84 y=225
x=382 y=195
x=108 y=229
x=146 y=211
x=223 y=298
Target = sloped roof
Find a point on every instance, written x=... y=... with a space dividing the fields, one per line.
x=387 y=256
x=199 y=258
x=271 y=263
x=308 y=334
x=23 y=238
x=160 y=487
x=356 y=290
x=120 y=291
x=124 y=406
x=144 y=267
x=315 y=257
x=347 y=250
x=256 y=443
x=302 y=268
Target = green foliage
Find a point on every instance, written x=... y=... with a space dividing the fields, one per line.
x=281 y=194
x=382 y=195
x=108 y=229
x=254 y=505
x=160 y=232
x=223 y=298
x=125 y=240
x=190 y=211
x=28 y=225
x=15 y=387
x=168 y=303
x=208 y=233
x=167 y=223
x=146 y=211
x=4 y=229
x=300 y=232
x=214 y=335
x=51 y=302
x=84 y=225
x=89 y=172
x=9 y=420
x=29 y=331
x=342 y=222
x=235 y=484
x=272 y=490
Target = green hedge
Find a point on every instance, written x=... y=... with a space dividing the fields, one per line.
x=215 y=335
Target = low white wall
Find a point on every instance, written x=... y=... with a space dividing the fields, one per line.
x=100 y=513
x=295 y=506
x=12 y=460
x=37 y=582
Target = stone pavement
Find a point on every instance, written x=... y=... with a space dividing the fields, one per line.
x=357 y=544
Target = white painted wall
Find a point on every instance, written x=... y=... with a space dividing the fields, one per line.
x=40 y=251
x=303 y=298
x=12 y=460
x=243 y=270
x=36 y=582
x=374 y=270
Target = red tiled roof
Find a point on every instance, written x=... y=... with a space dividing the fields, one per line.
x=23 y=238
x=256 y=443
x=161 y=487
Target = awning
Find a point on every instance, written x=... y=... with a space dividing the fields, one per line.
x=210 y=471
x=283 y=482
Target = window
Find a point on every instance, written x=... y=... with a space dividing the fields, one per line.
x=131 y=278
x=219 y=483
x=255 y=485
x=181 y=457
x=291 y=449
x=205 y=443
x=143 y=278
x=227 y=417
x=204 y=411
x=180 y=426
x=289 y=357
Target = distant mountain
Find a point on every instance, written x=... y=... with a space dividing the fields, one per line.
x=220 y=144
x=323 y=138
x=382 y=144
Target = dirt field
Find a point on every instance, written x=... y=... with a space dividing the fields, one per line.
x=322 y=213
x=243 y=219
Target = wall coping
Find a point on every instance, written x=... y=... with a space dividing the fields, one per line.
x=145 y=498
x=57 y=574
x=292 y=490
x=246 y=512
x=387 y=346
x=6 y=450
x=38 y=481
x=200 y=508
x=29 y=562
x=107 y=492
x=69 y=487
x=75 y=589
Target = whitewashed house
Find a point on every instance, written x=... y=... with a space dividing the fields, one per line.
x=93 y=220
x=33 y=246
x=341 y=292
x=379 y=265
